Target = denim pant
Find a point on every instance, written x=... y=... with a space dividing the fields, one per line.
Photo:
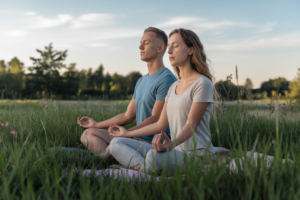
x=129 y=152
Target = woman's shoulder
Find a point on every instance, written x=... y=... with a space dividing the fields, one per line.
x=204 y=81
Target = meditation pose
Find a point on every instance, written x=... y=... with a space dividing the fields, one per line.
x=187 y=110
x=148 y=99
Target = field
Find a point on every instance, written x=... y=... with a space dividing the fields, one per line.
x=31 y=170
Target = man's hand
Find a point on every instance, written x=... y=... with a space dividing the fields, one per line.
x=86 y=122
x=121 y=132
x=167 y=145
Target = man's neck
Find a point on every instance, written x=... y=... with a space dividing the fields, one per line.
x=154 y=66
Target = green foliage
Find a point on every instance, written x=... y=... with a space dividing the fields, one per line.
x=45 y=80
x=279 y=84
x=295 y=86
x=30 y=170
x=2 y=66
x=15 y=66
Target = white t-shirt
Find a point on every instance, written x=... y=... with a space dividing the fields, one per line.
x=178 y=108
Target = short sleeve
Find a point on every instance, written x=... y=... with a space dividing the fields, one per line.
x=169 y=92
x=203 y=90
x=163 y=87
x=137 y=83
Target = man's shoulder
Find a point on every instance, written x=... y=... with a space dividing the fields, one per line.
x=167 y=76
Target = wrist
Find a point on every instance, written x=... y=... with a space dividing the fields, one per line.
x=97 y=125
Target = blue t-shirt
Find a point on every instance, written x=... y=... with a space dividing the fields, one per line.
x=148 y=89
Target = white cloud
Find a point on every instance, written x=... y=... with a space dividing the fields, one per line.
x=16 y=33
x=200 y=24
x=42 y=22
x=269 y=26
x=289 y=40
x=93 y=19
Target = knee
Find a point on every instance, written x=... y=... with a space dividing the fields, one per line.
x=152 y=161
x=85 y=135
x=113 y=147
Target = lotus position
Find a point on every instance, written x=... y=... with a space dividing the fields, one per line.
x=148 y=99
x=187 y=111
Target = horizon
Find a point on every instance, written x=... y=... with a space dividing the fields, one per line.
x=263 y=45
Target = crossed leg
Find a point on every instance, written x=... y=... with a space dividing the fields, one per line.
x=97 y=141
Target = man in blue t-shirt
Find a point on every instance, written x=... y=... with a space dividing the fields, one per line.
x=147 y=101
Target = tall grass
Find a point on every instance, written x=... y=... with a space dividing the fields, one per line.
x=29 y=170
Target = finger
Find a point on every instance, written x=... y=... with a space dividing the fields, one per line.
x=84 y=118
x=110 y=129
x=158 y=139
x=165 y=136
x=154 y=141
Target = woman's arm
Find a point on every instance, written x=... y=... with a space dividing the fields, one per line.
x=150 y=129
x=196 y=113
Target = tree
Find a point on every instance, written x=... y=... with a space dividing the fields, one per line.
x=248 y=84
x=46 y=76
x=295 y=86
x=280 y=84
x=71 y=81
x=15 y=66
x=132 y=78
x=2 y=66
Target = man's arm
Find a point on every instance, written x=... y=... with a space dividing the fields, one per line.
x=121 y=119
x=156 y=111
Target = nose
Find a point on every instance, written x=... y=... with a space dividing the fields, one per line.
x=141 y=47
x=170 y=51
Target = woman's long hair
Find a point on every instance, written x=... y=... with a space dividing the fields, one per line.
x=198 y=59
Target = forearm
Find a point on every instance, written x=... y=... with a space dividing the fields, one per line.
x=183 y=135
x=120 y=119
x=150 y=129
x=149 y=120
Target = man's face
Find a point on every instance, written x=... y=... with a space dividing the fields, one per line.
x=149 y=46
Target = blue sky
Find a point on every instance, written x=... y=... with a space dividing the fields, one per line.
x=261 y=37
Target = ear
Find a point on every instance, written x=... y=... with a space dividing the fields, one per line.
x=161 y=48
x=191 y=51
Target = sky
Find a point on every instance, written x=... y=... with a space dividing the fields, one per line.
x=261 y=38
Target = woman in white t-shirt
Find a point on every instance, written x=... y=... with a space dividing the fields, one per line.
x=187 y=111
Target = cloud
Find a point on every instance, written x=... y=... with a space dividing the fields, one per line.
x=269 y=26
x=200 y=23
x=16 y=33
x=278 y=42
x=38 y=21
x=93 y=19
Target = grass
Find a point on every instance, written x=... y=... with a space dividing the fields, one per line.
x=29 y=170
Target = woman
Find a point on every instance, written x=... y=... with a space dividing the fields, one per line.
x=187 y=111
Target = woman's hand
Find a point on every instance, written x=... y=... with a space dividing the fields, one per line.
x=88 y=123
x=167 y=145
x=121 y=132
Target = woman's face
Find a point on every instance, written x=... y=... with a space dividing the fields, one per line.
x=178 y=51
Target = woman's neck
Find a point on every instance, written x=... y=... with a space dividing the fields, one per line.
x=187 y=73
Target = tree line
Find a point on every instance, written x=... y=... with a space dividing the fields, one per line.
x=44 y=80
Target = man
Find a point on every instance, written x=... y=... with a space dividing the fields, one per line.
x=147 y=101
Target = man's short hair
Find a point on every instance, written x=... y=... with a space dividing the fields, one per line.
x=160 y=34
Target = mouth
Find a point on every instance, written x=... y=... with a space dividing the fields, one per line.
x=171 y=58
x=142 y=53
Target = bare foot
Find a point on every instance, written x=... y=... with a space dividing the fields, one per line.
x=137 y=167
